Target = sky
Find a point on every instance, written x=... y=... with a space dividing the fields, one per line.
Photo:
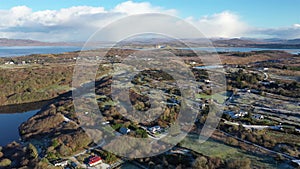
x=77 y=20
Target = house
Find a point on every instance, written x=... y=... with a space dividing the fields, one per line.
x=258 y=116
x=265 y=83
x=236 y=115
x=124 y=130
x=60 y=162
x=231 y=114
x=160 y=46
x=241 y=114
x=296 y=163
x=10 y=63
x=105 y=123
x=154 y=129
x=207 y=81
x=73 y=164
x=94 y=160
x=245 y=90
x=254 y=91
x=202 y=105
x=277 y=127
x=172 y=100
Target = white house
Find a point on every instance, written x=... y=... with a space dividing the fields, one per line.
x=207 y=81
x=154 y=129
x=9 y=63
x=61 y=163
x=241 y=114
x=236 y=115
x=265 y=83
x=296 y=162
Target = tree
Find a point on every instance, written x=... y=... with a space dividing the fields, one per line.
x=110 y=158
x=200 y=163
x=232 y=141
x=142 y=133
x=5 y=162
x=238 y=163
x=33 y=153
x=64 y=150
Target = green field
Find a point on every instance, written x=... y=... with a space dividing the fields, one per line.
x=214 y=148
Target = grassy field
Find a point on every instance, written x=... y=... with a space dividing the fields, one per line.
x=284 y=137
x=214 y=148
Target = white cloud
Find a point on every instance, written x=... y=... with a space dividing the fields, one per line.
x=296 y=25
x=130 y=8
x=225 y=24
x=53 y=17
x=67 y=24
x=15 y=16
x=79 y=22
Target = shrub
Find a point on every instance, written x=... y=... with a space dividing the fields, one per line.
x=32 y=151
x=142 y=133
x=232 y=141
x=200 y=163
x=55 y=143
x=238 y=163
x=5 y=162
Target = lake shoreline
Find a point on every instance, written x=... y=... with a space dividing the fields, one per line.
x=24 y=107
x=9 y=125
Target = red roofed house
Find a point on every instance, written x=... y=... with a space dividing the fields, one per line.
x=94 y=160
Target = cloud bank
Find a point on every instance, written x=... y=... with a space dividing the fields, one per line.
x=78 y=23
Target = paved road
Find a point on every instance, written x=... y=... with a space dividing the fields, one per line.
x=116 y=164
x=265 y=74
x=251 y=126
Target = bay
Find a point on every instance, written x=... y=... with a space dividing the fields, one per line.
x=9 y=124
x=28 y=50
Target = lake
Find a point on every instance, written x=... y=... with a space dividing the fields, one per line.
x=240 y=49
x=9 y=124
x=28 y=50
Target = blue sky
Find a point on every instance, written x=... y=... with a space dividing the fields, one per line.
x=261 y=13
x=255 y=18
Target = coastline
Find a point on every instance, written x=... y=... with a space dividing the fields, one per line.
x=24 y=107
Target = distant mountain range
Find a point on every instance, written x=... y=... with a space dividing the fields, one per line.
x=261 y=41
x=217 y=42
x=28 y=42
